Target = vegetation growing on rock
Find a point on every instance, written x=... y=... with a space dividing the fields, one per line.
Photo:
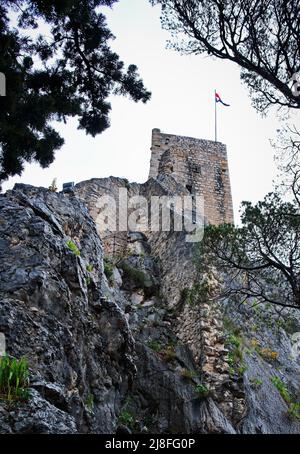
x=14 y=379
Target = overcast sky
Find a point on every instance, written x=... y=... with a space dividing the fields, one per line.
x=182 y=103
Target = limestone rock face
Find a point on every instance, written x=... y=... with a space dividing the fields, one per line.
x=115 y=341
x=77 y=343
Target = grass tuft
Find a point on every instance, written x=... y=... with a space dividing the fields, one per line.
x=14 y=378
x=72 y=246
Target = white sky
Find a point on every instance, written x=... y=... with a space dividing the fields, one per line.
x=182 y=103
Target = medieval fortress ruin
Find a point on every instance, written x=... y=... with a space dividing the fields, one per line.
x=181 y=168
x=201 y=166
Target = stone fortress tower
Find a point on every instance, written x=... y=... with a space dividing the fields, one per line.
x=199 y=165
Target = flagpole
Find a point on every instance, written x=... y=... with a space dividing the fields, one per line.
x=215 y=117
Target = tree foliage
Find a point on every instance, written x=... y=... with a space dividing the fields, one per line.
x=261 y=36
x=287 y=156
x=261 y=259
x=67 y=70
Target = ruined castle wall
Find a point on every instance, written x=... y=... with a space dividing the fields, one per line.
x=201 y=166
x=114 y=240
x=197 y=324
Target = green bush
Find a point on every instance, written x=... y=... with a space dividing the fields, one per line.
x=294 y=410
x=126 y=182
x=90 y=402
x=127 y=419
x=109 y=271
x=137 y=276
x=294 y=407
x=235 y=357
x=14 y=378
x=256 y=382
x=88 y=281
x=278 y=383
x=155 y=345
x=234 y=340
x=242 y=369
x=72 y=246
x=202 y=390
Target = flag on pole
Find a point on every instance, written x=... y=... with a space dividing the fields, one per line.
x=218 y=99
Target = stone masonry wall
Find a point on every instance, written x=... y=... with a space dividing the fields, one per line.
x=199 y=165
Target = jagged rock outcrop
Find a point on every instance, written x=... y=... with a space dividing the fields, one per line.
x=77 y=343
x=118 y=346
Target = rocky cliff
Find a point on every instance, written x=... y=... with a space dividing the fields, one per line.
x=115 y=336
